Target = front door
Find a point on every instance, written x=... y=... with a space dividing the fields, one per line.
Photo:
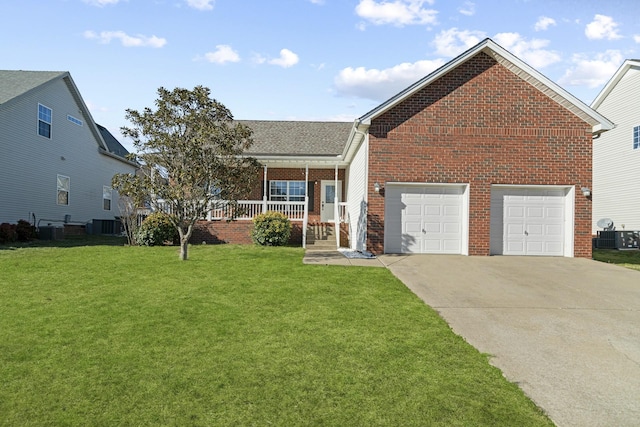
x=327 y=200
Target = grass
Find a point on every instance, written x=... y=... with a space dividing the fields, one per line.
x=238 y=335
x=626 y=258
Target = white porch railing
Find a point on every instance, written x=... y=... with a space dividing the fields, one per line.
x=247 y=209
x=244 y=210
x=343 y=213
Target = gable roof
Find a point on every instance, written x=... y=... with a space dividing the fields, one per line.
x=113 y=145
x=309 y=141
x=14 y=83
x=611 y=84
x=516 y=66
x=17 y=83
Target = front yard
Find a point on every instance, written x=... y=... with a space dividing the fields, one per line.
x=626 y=258
x=237 y=335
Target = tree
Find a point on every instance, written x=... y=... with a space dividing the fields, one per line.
x=192 y=155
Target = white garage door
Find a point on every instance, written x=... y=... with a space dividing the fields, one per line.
x=424 y=219
x=528 y=221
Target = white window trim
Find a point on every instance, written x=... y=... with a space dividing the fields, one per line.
x=74 y=120
x=59 y=188
x=107 y=191
x=50 y=123
x=288 y=195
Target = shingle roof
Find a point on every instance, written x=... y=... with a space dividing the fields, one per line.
x=113 y=145
x=298 y=138
x=15 y=82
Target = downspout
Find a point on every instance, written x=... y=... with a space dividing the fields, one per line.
x=336 y=209
x=305 y=218
x=264 y=191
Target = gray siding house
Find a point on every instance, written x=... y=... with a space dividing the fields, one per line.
x=56 y=163
x=616 y=154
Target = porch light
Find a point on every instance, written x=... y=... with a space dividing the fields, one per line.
x=586 y=192
x=376 y=187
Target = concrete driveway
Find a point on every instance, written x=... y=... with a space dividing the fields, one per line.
x=566 y=330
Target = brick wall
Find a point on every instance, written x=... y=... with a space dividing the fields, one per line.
x=239 y=232
x=480 y=124
x=236 y=232
x=298 y=174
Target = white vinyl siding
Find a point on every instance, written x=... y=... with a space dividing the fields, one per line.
x=616 y=160
x=36 y=165
x=357 y=198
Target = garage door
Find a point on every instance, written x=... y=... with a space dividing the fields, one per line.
x=528 y=221
x=424 y=219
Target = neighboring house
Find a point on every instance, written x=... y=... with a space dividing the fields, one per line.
x=56 y=164
x=616 y=154
x=483 y=156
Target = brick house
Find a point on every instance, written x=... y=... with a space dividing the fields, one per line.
x=483 y=156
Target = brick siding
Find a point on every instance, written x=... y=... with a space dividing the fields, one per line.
x=480 y=124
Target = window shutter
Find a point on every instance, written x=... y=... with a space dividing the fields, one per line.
x=310 y=193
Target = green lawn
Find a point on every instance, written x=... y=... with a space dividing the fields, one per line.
x=625 y=258
x=238 y=335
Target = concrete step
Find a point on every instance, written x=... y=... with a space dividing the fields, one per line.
x=321 y=237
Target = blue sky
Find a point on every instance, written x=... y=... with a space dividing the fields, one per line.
x=302 y=59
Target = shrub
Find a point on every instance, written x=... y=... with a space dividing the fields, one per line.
x=25 y=231
x=155 y=230
x=8 y=233
x=271 y=229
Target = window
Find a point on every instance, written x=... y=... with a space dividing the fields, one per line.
x=63 y=190
x=636 y=137
x=287 y=191
x=74 y=120
x=106 y=198
x=44 y=121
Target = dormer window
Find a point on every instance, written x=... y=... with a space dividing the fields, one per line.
x=44 y=121
x=636 y=137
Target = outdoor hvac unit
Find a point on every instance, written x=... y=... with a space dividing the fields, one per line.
x=51 y=233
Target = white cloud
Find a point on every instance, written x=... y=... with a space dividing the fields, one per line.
x=636 y=38
x=223 y=54
x=602 y=27
x=101 y=3
x=287 y=59
x=379 y=85
x=317 y=1
x=543 y=23
x=201 y=4
x=105 y=37
x=468 y=8
x=591 y=71
x=530 y=51
x=397 y=12
x=452 y=42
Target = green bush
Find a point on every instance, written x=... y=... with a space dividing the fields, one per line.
x=156 y=230
x=271 y=229
x=8 y=233
x=25 y=231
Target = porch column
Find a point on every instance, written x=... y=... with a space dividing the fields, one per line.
x=336 y=210
x=264 y=191
x=305 y=218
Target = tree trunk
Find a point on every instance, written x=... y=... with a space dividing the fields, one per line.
x=184 y=242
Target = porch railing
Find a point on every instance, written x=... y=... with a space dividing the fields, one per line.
x=247 y=209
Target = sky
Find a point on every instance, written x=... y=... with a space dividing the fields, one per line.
x=321 y=60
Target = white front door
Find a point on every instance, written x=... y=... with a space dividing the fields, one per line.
x=327 y=199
